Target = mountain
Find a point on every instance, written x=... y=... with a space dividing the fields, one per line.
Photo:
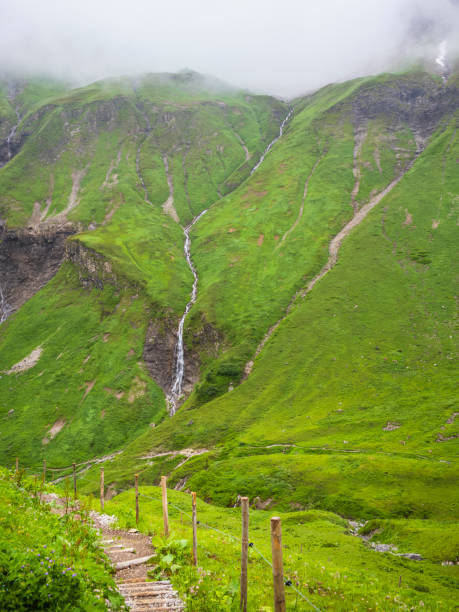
x=320 y=354
x=101 y=179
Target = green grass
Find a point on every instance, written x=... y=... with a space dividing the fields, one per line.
x=255 y=249
x=357 y=382
x=98 y=131
x=48 y=562
x=90 y=375
x=333 y=569
x=359 y=378
x=86 y=128
x=438 y=542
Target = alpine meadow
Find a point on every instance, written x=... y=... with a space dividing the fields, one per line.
x=252 y=296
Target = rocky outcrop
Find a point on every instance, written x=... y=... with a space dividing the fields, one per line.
x=159 y=356
x=417 y=100
x=28 y=260
x=94 y=270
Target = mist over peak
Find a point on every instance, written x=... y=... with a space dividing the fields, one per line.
x=260 y=45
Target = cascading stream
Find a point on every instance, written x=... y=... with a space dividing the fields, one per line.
x=440 y=60
x=5 y=308
x=273 y=142
x=177 y=384
x=12 y=133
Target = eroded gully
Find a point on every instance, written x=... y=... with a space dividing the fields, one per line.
x=336 y=242
x=175 y=394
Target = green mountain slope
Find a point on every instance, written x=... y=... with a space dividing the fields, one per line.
x=351 y=404
x=322 y=345
x=97 y=162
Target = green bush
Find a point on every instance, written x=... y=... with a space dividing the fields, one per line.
x=49 y=562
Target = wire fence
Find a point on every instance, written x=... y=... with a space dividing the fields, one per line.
x=287 y=582
x=40 y=473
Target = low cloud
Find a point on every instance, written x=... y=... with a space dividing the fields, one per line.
x=283 y=48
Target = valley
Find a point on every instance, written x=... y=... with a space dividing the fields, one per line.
x=251 y=296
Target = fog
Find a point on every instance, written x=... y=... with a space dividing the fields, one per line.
x=285 y=47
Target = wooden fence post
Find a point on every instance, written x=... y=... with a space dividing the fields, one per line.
x=165 y=511
x=244 y=552
x=17 y=465
x=43 y=478
x=136 y=499
x=195 y=529
x=67 y=494
x=102 y=492
x=74 y=481
x=278 y=572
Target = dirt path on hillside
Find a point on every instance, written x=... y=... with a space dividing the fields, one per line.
x=73 y=198
x=333 y=250
x=243 y=145
x=129 y=552
x=168 y=206
x=359 y=140
x=359 y=216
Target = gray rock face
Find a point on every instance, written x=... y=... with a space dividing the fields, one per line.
x=419 y=101
x=159 y=356
x=28 y=260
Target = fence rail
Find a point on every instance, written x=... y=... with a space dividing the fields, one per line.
x=276 y=565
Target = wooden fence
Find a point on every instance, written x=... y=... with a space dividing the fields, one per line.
x=279 y=582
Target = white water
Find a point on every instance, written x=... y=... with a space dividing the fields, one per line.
x=179 y=372
x=441 y=58
x=177 y=384
x=5 y=308
x=273 y=142
x=11 y=134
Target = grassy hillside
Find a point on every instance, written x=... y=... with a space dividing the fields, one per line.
x=324 y=334
x=266 y=240
x=89 y=391
x=101 y=160
x=351 y=405
x=333 y=569
x=95 y=133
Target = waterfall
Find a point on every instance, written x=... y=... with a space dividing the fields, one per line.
x=10 y=136
x=440 y=60
x=179 y=369
x=5 y=308
x=273 y=142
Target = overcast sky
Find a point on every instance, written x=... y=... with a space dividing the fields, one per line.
x=284 y=47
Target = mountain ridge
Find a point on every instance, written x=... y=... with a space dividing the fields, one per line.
x=264 y=239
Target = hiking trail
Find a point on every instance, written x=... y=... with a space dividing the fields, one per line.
x=129 y=552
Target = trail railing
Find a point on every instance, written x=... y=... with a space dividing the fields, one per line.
x=276 y=563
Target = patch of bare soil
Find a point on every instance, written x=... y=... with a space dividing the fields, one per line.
x=168 y=206
x=28 y=362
